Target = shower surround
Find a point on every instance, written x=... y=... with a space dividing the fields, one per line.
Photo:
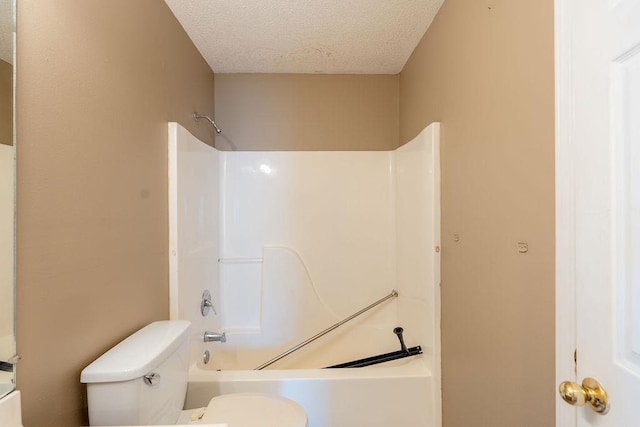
x=289 y=243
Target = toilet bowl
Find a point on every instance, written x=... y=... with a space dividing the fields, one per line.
x=254 y=409
x=143 y=381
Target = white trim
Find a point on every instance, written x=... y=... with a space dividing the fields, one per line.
x=565 y=211
x=172 y=156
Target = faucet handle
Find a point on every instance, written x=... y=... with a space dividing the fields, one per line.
x=206 y=303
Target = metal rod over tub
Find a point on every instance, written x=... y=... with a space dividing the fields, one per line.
x=393 y=294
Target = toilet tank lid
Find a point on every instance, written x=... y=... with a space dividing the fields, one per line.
x=138 y=354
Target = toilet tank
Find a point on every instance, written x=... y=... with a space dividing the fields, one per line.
x=118 y=392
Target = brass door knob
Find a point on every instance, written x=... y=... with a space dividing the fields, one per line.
x=590 y=392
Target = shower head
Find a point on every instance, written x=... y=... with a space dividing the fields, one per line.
x=197 y=116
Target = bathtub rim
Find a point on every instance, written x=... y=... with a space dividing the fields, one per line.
x=418 y=367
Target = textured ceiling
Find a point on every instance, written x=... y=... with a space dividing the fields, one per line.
x=306 y=36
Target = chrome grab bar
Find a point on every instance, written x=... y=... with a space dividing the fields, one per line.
x=393 y=294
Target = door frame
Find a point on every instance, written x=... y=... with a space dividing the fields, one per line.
x=565 y=317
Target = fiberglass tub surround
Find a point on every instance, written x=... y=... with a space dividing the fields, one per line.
x=288 y=244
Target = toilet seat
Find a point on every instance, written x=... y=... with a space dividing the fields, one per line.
x=254 y=409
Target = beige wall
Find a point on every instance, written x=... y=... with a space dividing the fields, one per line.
x=6 y=103
x=307 y=111
x=97 y=83
x=485 y=70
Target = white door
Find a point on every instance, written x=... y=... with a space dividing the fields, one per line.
x=598 y=206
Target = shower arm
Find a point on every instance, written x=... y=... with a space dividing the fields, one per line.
x=197 y=116
x=393 y=294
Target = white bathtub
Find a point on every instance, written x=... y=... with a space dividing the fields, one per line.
x=376 y=396
x=304 y=240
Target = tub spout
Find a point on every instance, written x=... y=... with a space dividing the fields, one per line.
x=214 y=336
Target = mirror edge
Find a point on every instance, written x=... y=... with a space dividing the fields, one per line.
x=11 y=386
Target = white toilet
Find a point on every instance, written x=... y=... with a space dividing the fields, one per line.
x=143 y=381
